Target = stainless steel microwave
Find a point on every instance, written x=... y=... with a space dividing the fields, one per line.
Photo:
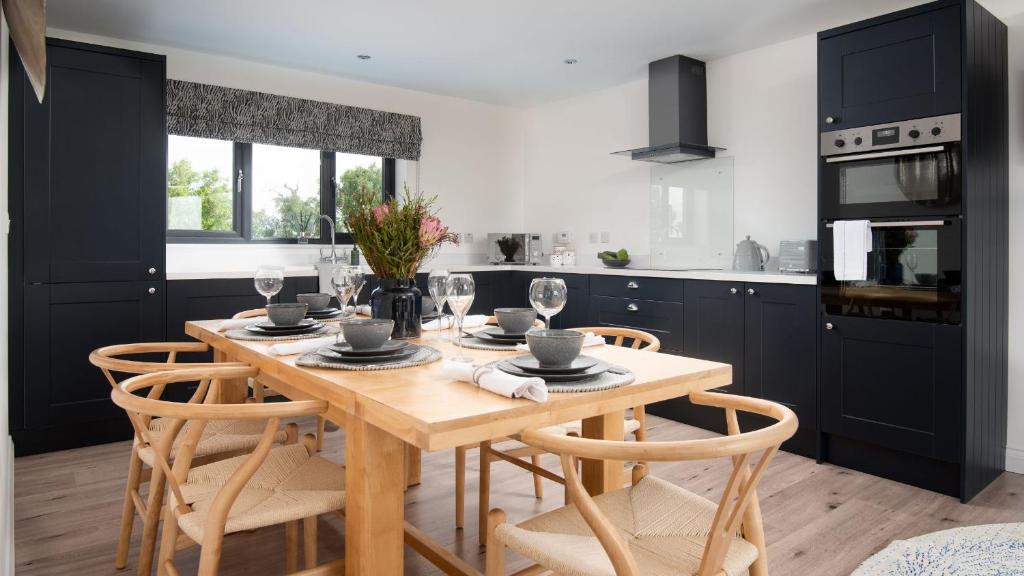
x=902 y=169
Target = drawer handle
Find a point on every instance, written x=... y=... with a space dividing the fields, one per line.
x=751 y=291
x=632 y=307
x=151 y=271
x=733 y=291
x=151 y=290
x=632 y=285
x=829 y=326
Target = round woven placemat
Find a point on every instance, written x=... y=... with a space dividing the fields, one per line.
x=477 y=344
x=615 y=377
x=425 y=355
x=325 y=330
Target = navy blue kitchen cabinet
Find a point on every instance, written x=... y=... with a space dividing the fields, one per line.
x=654 y=305
x=767 y=332
x=87 y=193
x=895 y=67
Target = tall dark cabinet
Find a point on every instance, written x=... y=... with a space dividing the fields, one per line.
x=87 y=190
x=913 y=357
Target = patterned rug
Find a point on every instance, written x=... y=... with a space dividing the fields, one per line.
x=987 y=550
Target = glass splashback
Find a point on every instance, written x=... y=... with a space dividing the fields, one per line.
x=691 y=214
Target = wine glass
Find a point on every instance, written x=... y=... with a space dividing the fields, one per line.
x=269 y=280
x=437 y=285
x=459 y=292
x=344 y=282
x=360 y=282
x=548 y=296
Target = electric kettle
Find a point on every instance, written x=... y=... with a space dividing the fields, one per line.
x=750 y=256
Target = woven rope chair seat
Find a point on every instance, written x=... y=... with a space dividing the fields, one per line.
x=219 y=437
x=290 y=485
x=664 y=525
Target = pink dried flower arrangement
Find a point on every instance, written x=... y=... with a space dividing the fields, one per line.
x=396 y=236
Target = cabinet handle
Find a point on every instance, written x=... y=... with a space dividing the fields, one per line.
x=632 y=285
x=829 y=326
x=151 y=290
x=751 y=291
x=733 y=291
x=830 y=120
x=151 y=271
x=632 y=307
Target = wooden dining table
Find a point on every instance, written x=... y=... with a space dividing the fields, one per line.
x=384 y=412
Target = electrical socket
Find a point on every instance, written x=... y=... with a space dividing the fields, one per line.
x=606 y=237
x=593 y=237
x=467 y=237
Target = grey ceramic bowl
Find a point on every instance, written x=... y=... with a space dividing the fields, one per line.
x=367 y=334
x=316 y=300
x=286 y=314
x=515 y=320
x=554 y=348
x=616 y=263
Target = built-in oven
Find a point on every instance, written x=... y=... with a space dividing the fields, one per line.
x=902 y=169
x=913 y=272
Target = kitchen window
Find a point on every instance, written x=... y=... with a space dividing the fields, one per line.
x=222 y=191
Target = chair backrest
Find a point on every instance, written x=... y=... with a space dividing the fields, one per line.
x=493 y=320
x=637 y=339
x=739 y=490
x=110 y=359
x=201 y=408
x=250 y=313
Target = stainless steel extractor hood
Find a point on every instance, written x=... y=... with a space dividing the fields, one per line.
x=678 y=113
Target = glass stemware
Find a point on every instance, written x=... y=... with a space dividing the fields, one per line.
x=269 y=280
x=345 y=282
x=460 y=290
x=437 y=286
x=548 y=296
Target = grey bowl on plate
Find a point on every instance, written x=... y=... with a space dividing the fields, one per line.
x=315 y=300
x=286 y=314
x=555 y=348
x=515 y=320
x=367 y=334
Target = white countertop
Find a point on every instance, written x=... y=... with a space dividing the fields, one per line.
x=772 y=277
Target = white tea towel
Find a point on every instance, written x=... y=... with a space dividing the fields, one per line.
x=589 y=339
x=300 y=346
x=239 y=323
x=362 y=309
x=470 y=321
x=494 y=380
x=851 y=242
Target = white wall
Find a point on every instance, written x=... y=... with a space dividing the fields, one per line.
x=762 y=111
x=1015 y=420
x=472 y=151
x=6 y=447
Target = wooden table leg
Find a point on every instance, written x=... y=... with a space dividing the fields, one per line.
x=374 y=500
x=231 y=391
x=413 y=465
x=600 y=476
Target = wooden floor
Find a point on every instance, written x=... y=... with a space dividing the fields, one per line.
x=820 y=519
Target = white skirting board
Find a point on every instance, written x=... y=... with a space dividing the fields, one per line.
x=6 y=506
x=1015 y=460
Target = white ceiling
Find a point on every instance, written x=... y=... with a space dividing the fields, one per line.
x=507 y=52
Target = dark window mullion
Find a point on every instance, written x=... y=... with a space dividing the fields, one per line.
x=388 y=178
x=327 y=194
x=243 y=161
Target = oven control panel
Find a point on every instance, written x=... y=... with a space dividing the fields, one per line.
x=905 y=134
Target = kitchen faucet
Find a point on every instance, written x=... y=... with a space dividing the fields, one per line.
x=333 y=258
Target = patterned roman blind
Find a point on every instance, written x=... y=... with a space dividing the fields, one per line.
x=208 y=111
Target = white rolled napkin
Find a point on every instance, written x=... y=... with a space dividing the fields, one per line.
x=589 y=339
x=470 y=321
x=362 y=309
x=494 y=380
x=300 y=346
x=238 y=323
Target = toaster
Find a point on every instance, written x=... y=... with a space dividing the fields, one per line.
x=798 y=256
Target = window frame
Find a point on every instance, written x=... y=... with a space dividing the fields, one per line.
x=242 y=204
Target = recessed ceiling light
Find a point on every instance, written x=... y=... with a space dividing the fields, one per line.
x=571 y=60
x=363 y=56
